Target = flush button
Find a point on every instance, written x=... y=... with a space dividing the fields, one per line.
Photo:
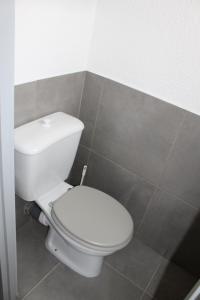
x=46 y=122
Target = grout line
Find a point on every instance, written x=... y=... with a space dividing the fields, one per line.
x=95 y=122
x=171 y=149
x=179 y=198
x=97 y=115
x=123 y=276
x=123 y=168
x=131 y=174
x=156 y=186
x=82 y=93
x=40 y=281
x=88 y=149
x=153 y=276
x=146 y=211
x=21 y=226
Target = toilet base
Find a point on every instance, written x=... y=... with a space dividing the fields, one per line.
x=85 y=264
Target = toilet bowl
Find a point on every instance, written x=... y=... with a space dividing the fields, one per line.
x=85 y=224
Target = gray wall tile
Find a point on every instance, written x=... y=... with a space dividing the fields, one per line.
x=118 y=182
x=136 y=130
x=93 y=88
x=25 y=103
x=110 y=178
x=139 y=200
x=139 y=138
x=62 y=93
x=36 y=99
x=166 y=223
x=81 y=159
x=182 y=175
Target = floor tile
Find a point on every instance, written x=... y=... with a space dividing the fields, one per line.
x=166 y=224
x=171 y=282
x=64 y=284
x=147 y=297
x=137 y=262
x=34 y=261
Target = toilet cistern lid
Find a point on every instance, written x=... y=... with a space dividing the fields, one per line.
x=36 y=136
x=93 y=217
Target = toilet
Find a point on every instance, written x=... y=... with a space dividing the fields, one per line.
x=85 y=224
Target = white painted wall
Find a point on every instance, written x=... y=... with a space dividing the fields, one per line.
x=153 y=46
x=52 y=37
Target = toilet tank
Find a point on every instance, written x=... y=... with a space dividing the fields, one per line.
x=44 y=153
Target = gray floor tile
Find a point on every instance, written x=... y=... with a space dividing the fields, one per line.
x=34 y=261
x=187 y=254
x=1 y=290
x=171 y=282
x=64 y=284
x=136 y=130
x=166 y=224
x=137 y=262
x=147 y=297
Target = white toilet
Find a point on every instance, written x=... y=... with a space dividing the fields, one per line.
x=84 y=224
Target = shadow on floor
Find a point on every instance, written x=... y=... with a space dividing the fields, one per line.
x=172 y=284
x=129 y=274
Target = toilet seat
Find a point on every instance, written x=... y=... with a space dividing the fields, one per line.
x=93 y=219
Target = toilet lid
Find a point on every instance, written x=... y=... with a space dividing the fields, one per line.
x=93 y=217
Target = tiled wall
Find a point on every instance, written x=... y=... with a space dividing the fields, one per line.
x=39 y=98
x=145 y=153
x=142 y=151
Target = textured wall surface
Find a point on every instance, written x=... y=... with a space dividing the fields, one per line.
x=52 y=37
x=145 y=153
x=152 y=46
